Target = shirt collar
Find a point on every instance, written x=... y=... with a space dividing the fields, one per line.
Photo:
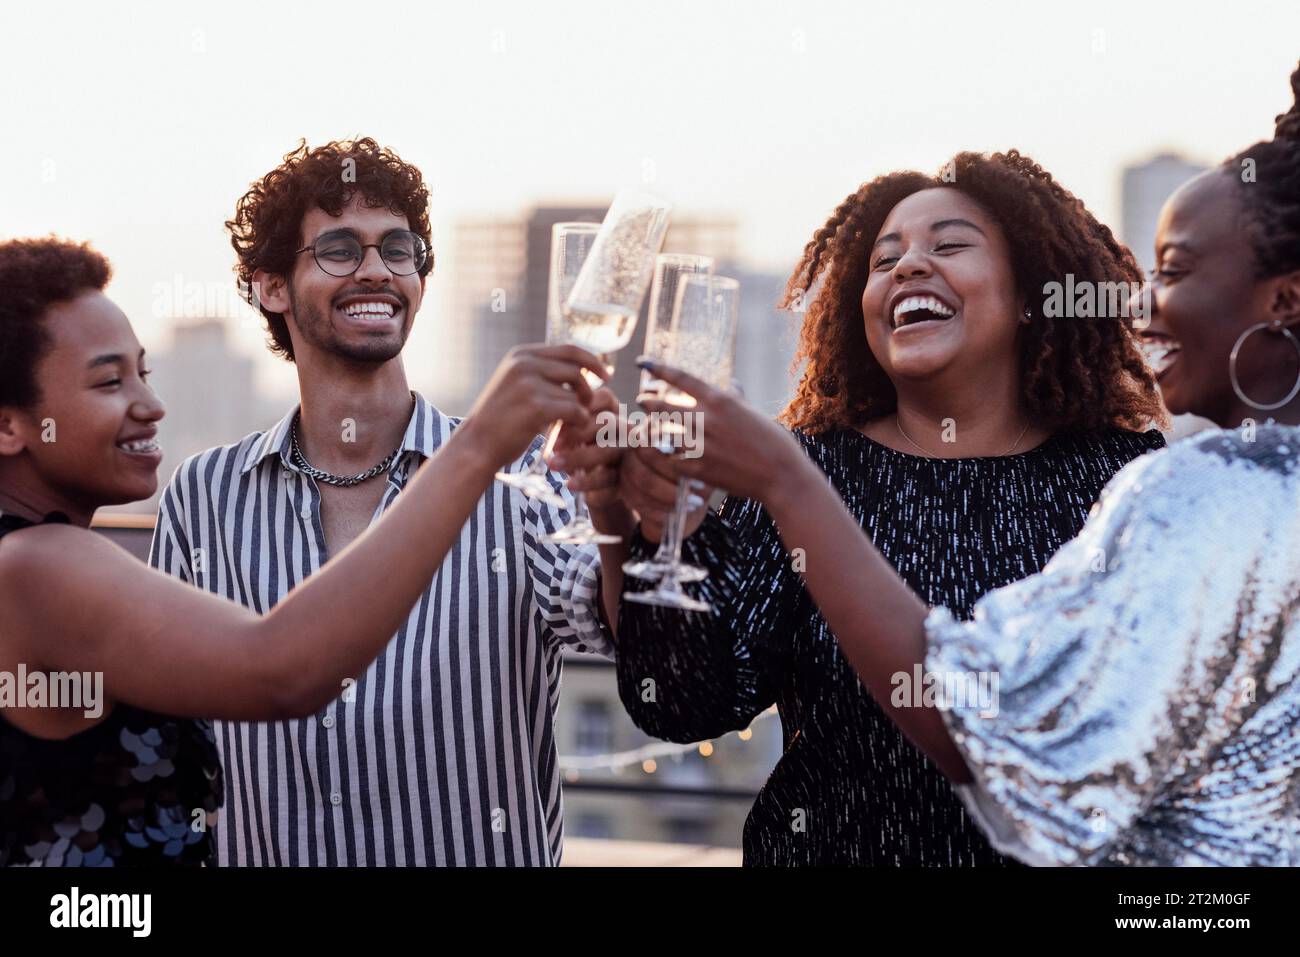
x=423 y=435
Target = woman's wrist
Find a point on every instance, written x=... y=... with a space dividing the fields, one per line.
x=792 y=475
x=471 y=450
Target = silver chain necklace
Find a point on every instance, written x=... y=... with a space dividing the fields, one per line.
x=329 y=478
x=898 y=422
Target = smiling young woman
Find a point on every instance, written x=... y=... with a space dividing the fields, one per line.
x=967 y=432
x=1225 y=300
x=137 y=779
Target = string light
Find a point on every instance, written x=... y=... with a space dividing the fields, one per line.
x=646 y=756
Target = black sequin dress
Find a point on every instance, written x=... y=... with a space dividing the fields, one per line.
x=850 y=789
x=136 y=789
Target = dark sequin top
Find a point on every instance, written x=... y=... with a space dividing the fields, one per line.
x=850 y=788
x=136 y=789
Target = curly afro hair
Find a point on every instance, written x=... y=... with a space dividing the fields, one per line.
x=34 y=275
x=1271 y=197
x=266 y=230
x=1077 y=375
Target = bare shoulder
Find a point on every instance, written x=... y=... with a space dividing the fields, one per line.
x=50 y=558
x=27 y=559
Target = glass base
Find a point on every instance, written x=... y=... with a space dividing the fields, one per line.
x=668 y=597
x=580 y=531
x=534 y=485
x=653 y=570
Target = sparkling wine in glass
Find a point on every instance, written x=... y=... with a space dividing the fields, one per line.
x=669 y=268
x=570 y=245
x=601 y=310
x=701 y=341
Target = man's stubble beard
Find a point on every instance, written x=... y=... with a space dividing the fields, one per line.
x=317 y=329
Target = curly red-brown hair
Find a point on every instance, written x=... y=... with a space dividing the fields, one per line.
x=1077 y=374
x=266 y=230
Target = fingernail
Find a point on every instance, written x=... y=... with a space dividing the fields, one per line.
x=645 y=362
x=694 y=501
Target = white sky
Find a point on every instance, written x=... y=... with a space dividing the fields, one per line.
x=137 y=126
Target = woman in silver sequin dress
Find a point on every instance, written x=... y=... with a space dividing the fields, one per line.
x=1138 y=702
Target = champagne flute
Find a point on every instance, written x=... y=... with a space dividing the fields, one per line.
x=702 y=341
x=600 y=312
x=570 y=245
x=669 y=267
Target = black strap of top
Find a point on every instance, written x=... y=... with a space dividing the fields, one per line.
x=11 y=523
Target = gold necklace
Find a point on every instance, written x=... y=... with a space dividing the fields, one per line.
x=898 y=423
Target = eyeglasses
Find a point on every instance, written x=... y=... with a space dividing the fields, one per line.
x=340 y=254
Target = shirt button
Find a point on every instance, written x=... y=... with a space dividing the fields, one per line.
x=328 y=721
x=286 y=471
x=336 y=799
x=306 y=512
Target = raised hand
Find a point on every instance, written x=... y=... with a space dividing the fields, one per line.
x=533 y=386
x=740 y=450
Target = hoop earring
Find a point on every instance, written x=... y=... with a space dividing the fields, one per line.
x=1232 y=366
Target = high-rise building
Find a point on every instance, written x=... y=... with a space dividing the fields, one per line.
x=1144 y=189
x=765 y=340
x=487 y=263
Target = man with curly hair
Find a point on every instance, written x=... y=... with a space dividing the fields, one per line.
x=443 y=751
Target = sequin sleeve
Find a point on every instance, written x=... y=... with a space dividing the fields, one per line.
x=687 y=676
x=1146 y=704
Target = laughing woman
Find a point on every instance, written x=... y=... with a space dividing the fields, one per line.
x=968 y=433
x=1149 y=677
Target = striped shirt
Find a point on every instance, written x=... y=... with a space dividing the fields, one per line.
x=443 y=752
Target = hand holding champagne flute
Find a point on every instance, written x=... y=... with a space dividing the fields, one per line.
x=701 y=341
x=601 y=310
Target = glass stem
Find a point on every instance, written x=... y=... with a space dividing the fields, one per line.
x=539 y=463
x=595 y=382
x=670 y=546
